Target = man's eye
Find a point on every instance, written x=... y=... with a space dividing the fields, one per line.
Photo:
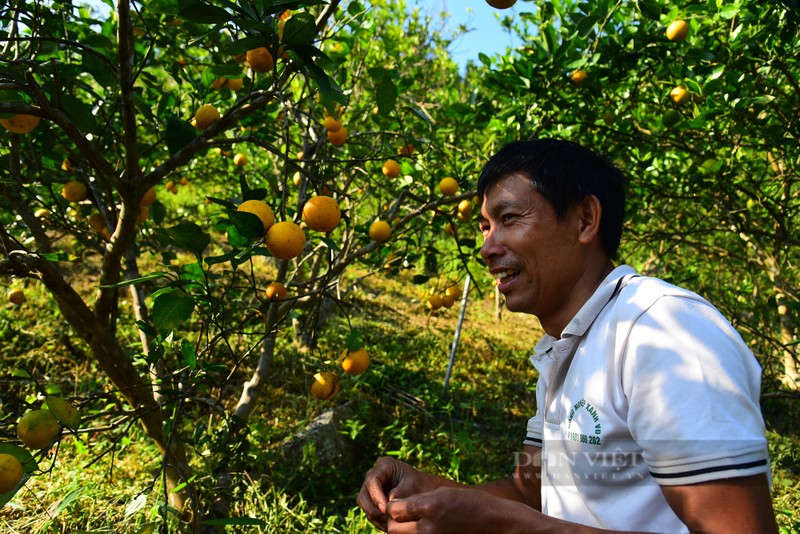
x=508 y=217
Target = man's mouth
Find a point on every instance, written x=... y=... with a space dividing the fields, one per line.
x=502 y=277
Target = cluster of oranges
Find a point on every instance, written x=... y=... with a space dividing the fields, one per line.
x=446 y=299
x=37 y=430
x=325 y=384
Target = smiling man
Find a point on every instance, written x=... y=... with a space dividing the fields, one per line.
x=647 y=416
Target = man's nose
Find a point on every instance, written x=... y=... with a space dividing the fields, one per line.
x=491 y=245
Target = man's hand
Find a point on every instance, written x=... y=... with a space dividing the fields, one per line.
x=457 y=510
x=391 y=479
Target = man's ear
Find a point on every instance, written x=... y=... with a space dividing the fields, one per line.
x=589 y=215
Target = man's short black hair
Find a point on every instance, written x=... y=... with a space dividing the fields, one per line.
x=564 y=173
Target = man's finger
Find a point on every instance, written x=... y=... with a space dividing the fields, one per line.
x=403 y=510
x=373 y=506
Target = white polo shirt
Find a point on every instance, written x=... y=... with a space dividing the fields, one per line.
x=661 y=390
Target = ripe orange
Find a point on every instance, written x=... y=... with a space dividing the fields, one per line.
x=391 y=168
x=285 y=240
x=260 y=59
x=149 y=197
x=434 y=302
x=234 y=84
x=380 y=231
x=332 y=124
x=501 y=4
x=42 y=213
x=97 y=222
x=38 y=429
x=678 y=30
x=464 y=210
x=21 y=124
x=453 y=291
x=338 y=137
x=447 y=300
x=406 y=150
x=144 y=213
x=16 y=296
x=10 y=472
x=355 y=362
x=325 y=386
x=679 y=95
x=276 y=291
x=240 y=160
x=74 y=191
x=261 y=209
x=448 y=186
x=578 y=76
x=205 y=116
x=321 y=213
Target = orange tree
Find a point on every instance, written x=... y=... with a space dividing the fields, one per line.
x=113 y=122
x=701 y=115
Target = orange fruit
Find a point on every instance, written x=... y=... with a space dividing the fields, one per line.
x=38 y=429
x=325 y=386
x=16 y=296
x=677 y=30
x=41 y=213
x=453 y=291
x=434 y=302
x=285 y=240
x=680 y=95
x=97 y=222
x=331 y=124
x=501 y=4
x=74 y=191
x=205 y=116
x=261 y=209
x=578 y=76
x=276 y=290
x=10 y=473
x=380 y=231
x=391 y=168
x=234 y=84
x=355 y=362
x=21 y=124
x=447 y=300
x=240 y=160
x=260 y=59
x=406 y=150
x=338 y=137
x=448 y=186
x=321 y=213
x=149 y=197
x=464 y=210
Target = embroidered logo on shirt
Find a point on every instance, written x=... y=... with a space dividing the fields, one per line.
x=586 y=422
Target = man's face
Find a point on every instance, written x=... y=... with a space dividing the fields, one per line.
x=534 y=256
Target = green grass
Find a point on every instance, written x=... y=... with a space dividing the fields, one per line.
x=108 y=481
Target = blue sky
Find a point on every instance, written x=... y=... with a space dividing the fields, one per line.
x=486 y=34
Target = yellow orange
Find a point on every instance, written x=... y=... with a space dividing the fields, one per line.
x=434 y=302
x=21 y=124
x=321 y=213
x=205 y=116
x=240 y=160
x=380 y=231
x=285 y=240
x=578 y=76
x=149 y=197
x=261 y=209
x=332 y=124
x=37 y=429
x=355 y=362
x=677 y=30
x=276 y=290
x=260 y=59
x=391 y=168
x=448 y=186
x=16 y=296
x=74 y=191
x=325 y=386
x=338 y=137
x=10 y=472
x=406 y=150
x=679 y=95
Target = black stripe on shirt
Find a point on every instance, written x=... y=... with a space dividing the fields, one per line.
x=707 y=470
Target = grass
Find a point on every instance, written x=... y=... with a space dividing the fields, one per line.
x=108 y=481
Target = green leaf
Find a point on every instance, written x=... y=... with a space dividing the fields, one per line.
x=189 y=355
x=171 y=309
x=299 y=30
x=204 y=13
x=259 y=193
x=179 y=134
x=64 y=503
x=152 y=276
x=247 y=224
x=355 y=339
x=386 y=96
x=79 y=113
x=166 y=7
x=228 y=256
x=222 y=202
x=58 y=256
x=187 y=236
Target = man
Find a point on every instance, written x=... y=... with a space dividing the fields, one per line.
x=647 y=399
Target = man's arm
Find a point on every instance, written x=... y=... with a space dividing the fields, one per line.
x=731 y=505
